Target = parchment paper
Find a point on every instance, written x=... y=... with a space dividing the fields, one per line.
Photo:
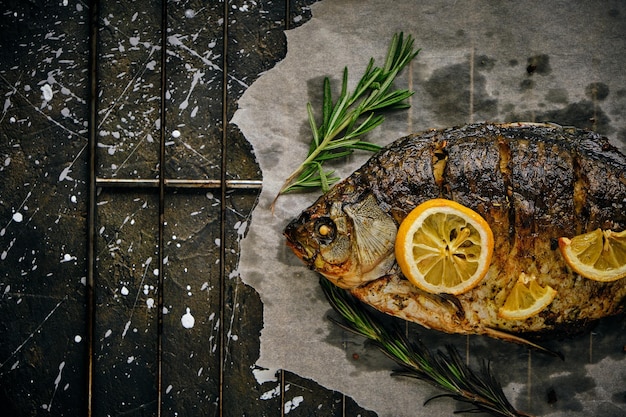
x=480 y=60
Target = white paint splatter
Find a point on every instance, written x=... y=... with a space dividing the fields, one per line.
x=176 y=41
x=196 y=77
x=176 y=134
x=187 y=319
x=273 y=393
x=150 y=302
x=241 y=228
x=168 y=389
x=293 y=404
x=67 y=258
x=46 y=92
x=5 y=252
x=189 y=13
x=57 y=381
x=65 y=174
x=124 y=290
x=17 y=217
x=126 y=327
x=77 y=338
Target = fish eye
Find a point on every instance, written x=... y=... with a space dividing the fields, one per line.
x=325 y=230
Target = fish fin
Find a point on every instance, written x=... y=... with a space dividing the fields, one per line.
x=454 y=302
x=499 y=334
x=375 y=232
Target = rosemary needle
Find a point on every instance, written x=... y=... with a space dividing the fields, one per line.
x=446 y=371
x=350 y=116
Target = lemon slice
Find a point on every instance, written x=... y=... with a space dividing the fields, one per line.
x=526 y=299
x=599 y=255
x=444 y=247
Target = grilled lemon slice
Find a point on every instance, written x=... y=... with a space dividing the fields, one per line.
x=444 y=247
x=526 y=299
x=599 y=255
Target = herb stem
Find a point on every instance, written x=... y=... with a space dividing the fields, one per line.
x=350 y=116
x=446 y=371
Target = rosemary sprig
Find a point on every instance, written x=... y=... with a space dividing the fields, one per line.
x=352 y=115
x=443 y=370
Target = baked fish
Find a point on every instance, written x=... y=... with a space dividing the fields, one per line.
x=533 y=183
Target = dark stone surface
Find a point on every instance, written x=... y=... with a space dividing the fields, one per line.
x=43 y=208
x=205 y=369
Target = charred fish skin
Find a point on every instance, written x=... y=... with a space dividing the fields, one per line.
x=533 y=183
x=494 y=161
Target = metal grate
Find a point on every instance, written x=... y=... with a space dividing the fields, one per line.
x=162 y=185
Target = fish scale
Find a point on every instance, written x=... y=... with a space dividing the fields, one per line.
x=532 y=182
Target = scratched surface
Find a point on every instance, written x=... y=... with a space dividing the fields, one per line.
x=42 y=208
x=210 y=319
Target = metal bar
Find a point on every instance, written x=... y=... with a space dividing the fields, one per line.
x=283 y=390
x=176 y=183
x=161 y=184
x=287 y=14
x=91 y=210
x=222 y=270
x=283 y=398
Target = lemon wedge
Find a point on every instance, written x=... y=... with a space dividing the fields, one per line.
x=599 y=255
x=526 y=299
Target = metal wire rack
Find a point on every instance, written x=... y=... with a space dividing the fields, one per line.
x=161 y=185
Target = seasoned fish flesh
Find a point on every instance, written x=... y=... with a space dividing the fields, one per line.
x=533 y=183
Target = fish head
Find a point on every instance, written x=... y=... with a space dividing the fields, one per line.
x=349 y=243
